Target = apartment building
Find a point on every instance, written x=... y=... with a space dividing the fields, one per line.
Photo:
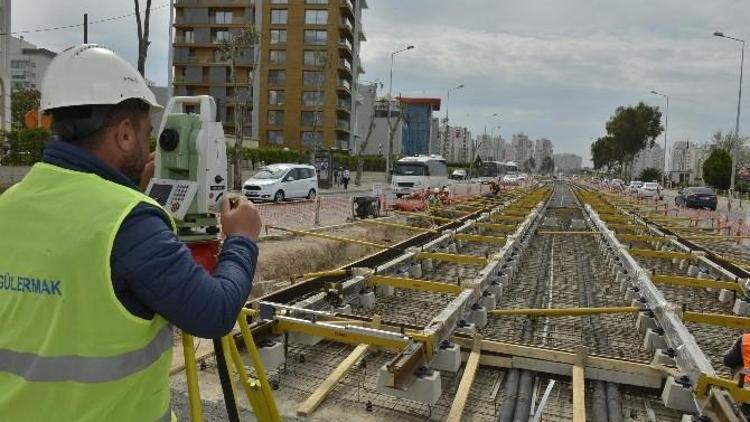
x=303 y=71
x=648 y=158
x=542 y=149
x=521 y=149
x=566 y=162
x=28 y=63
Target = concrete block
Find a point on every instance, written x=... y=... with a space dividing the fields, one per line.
x=416 y=270
x=692 y=270
x=725 y=296
x=466 y=327
x=427 y=265
x=426 y=387
x=478 y=316
x=639 y=303
x=385 y=290
x=367 y=299
x=346 y=309
x=678 y=395
x=741 y=307
x=645 y=321
x=447 y=358
x=632 y=293
x=452 y=248
x=624 y=284
x=654 y=339
x=683 y=264
x=272 y=354
x=488 y=300
x=496 y=288
x=664 y=357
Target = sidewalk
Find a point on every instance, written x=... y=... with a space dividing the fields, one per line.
x=368 y=179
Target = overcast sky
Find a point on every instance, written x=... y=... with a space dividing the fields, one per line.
x=553 y=68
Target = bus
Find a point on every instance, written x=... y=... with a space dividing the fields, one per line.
x=491 y=171
x=412 y=174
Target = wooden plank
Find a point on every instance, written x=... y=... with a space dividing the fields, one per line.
x=321 y=393
x=462 y=394
x=579 y=386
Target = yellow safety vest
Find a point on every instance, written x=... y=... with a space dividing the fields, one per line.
x=69 y=350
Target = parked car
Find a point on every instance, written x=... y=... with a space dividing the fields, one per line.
x=459 y=174
x=696 y=197
x=650 y=190
x=617 y=184
x=278 y=182
x=510 y=179
x=634 y=186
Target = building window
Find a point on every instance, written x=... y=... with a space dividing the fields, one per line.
x=278 y=36
x=277 y=77
x=316 y=17
x=219 y=57
x=315 y=37
x=276 y=97
x=314 y=58
x=279 y=1
x=279 y=16
x=276 y=117
x=316 y=1
x=313 y=78
x=276 y=137
x=224 y=17
x=278 y=57
x=312 y=118
x=313 y=98
x=220 y=36
x=310 y=139
x=189 y=36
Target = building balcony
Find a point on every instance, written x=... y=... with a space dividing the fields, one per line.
x=344 y=85
x=344 y=104
x=181 y=22
x=347 y=7
x=346 y=46
x=343 y=125
x=346 y=26
x=345 y=65
x=214 y=3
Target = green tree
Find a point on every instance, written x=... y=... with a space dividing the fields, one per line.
x=529 y=165
x=547 y=166
x=24 y=147
x=21 y=103
x=649 y=173
x=629 y=130
x=717 y=169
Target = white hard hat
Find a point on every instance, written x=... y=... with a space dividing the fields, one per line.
x=90 y=74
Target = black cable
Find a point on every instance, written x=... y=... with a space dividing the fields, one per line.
x=226 y=382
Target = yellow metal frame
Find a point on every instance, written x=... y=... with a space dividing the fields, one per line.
x=494 y=240
x=338 y=334
x=455 y=258
x=414 y=284
x=434 y=217
x=650 y=253
x=721 y=320
x=330 y=237
x=561 y=312
x=508 y=227
x=398 y=226
x=589 y=232
x=641 y=238
x=705 y=382
x=699 y=283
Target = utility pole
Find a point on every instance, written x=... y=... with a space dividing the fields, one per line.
x=85 y=28
x=447 y=127
x=666 y=127
x=390 y=130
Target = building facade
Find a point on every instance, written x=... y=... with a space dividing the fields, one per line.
x=372 y=120
x=543 y=148
x=5 y=40
x=417 y=131
x=686 y=162
x=521 y=149
x=648 y=158
x=28 y=63
x=567 y=162
x=296 y=86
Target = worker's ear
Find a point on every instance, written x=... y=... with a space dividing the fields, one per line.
x=125 y=135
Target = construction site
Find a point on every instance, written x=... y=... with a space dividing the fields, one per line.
x=551 y=302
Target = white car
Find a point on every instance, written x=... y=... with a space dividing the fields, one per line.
x=634 y=186
x=650 y=190
x=509 y=178
x=278 y=182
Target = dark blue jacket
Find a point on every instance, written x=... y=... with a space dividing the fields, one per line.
x=154 y=273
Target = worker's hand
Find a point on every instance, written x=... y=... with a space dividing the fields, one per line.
x=148 y=171
x=242 y=219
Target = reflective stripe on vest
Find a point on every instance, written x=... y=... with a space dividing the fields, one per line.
x=85 y=369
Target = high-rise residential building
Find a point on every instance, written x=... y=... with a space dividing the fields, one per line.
x=542 y=149
x=686 y=162
x=522 y=148
x=418 y=119
x=5 y=29
x=304 y=70
x=372 y=120
x=489 y=148
x=648 y=158
x=28 y=63
x=459 y=145
x=566 y=162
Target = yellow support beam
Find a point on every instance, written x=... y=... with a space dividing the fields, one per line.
x=455 y=258
x=495 y=240
x=561 y=312
x=329 y=237
x=506 y=227
x=338 y=334
x=650 y=253
x=570 y=232
x=462 y=392
x=699 y=283
x=414 y=284
x=579 y=386
x=720 y=320
x=332 y=273
x=398 y=226
x=705 y=382
x=640 y=238
x=417 y=214
x=714 y=237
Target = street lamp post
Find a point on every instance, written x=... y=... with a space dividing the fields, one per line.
x=447 y=102
x=735 y=145
x=390 y=129
x=666 y=128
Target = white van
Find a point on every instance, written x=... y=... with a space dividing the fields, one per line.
x=411 y=174
x=278 y=182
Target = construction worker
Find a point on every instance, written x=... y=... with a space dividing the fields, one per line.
x=92 y=273
x=737 y=358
